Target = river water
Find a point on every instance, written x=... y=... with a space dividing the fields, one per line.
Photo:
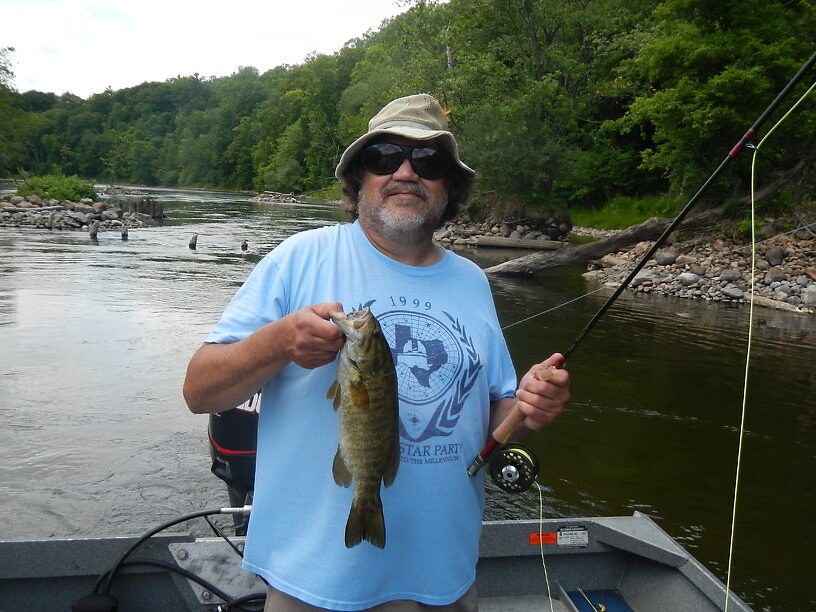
x=96 y=439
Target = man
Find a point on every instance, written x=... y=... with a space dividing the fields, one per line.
x=456 y=381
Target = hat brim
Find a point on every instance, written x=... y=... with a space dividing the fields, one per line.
x=444 y=138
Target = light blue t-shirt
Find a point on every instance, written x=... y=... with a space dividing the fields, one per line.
x=451 y=361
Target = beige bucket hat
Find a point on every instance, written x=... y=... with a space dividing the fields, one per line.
x=418 y=117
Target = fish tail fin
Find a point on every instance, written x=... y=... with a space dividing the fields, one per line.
x=366 y=522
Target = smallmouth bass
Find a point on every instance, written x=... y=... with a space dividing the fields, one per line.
x=365 y=394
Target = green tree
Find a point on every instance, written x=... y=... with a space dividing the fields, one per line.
x=14 y=121
x=705 y=72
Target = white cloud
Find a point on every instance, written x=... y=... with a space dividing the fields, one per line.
x=84 y=46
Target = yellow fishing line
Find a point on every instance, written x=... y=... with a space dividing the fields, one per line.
x=587 y=598
x=541 y=542
x=750 y=339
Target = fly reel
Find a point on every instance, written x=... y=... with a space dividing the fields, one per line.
x=514 y=468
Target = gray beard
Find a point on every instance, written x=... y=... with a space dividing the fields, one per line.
x=414 y=229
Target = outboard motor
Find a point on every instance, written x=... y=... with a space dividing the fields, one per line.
x=233 y=446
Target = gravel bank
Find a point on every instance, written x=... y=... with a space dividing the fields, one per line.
x=32 y=211
x=719 y=270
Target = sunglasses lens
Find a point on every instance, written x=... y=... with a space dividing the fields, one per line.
x=385 y=158
x=429 y=162
x=382 y=158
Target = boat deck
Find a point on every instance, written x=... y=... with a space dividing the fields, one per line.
x=614 y=564
x=530 y=603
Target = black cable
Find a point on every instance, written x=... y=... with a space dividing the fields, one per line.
x=112 y=572
x=224 y=537
x=239 y=601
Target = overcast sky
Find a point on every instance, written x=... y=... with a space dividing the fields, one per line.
x=85 y=46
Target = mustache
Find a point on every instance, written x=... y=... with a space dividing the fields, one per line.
x=403 y=187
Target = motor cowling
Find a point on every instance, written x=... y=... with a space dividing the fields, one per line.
x=233 y=436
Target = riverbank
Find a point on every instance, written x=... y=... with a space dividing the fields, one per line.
x=704 y=268
x=511 y=231
x=33 y=211
x=717 y=269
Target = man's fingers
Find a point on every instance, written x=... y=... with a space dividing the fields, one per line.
x=326 y=309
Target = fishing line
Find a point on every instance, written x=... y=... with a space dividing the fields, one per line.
x=580 y=297
x=581 y=591
x=515 y=417
x=541 y=542
x=750 y=340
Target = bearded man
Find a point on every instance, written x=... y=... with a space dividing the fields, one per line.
x=402 y=179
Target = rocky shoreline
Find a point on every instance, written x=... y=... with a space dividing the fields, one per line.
x=33 y=211
x=274 y=197
x=518 y=231
x=718 y=270
x=709 y=268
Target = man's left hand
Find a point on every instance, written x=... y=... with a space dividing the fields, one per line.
x=542 y=401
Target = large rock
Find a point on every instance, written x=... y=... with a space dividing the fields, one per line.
x=735 y=293
x=78 y=216
x=666 y=257
x=730 y=274
x=775 y=255
x=688 y=278
x=143 y=218
x=682 y=260
x=774 y=275
x=83 y=208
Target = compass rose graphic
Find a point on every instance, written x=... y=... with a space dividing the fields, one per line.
x=427 y=355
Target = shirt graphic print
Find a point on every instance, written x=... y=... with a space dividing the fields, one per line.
x=436 y=366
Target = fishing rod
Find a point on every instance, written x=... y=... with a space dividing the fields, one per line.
x=513 y=467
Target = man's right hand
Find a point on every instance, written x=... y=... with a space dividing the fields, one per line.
x=222 y=376
x=312 y=339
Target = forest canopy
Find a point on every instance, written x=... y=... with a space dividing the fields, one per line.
x=555 y=103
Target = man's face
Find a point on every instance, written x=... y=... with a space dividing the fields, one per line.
x=402 y=207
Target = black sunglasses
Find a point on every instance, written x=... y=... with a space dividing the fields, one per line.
x=429 y=162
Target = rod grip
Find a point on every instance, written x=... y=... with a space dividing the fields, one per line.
x=506 y=428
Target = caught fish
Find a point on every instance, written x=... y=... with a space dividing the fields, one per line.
x=365 y=394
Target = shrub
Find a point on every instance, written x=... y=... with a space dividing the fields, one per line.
x=58 y=187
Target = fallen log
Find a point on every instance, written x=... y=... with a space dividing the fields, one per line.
x=651 y=229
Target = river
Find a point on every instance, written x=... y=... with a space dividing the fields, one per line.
x=96 y=439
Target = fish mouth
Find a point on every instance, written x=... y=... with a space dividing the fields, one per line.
x=351 y=322
x=355 y=315
x=338 y=317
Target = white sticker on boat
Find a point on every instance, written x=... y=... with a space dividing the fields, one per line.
x=573 y=536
